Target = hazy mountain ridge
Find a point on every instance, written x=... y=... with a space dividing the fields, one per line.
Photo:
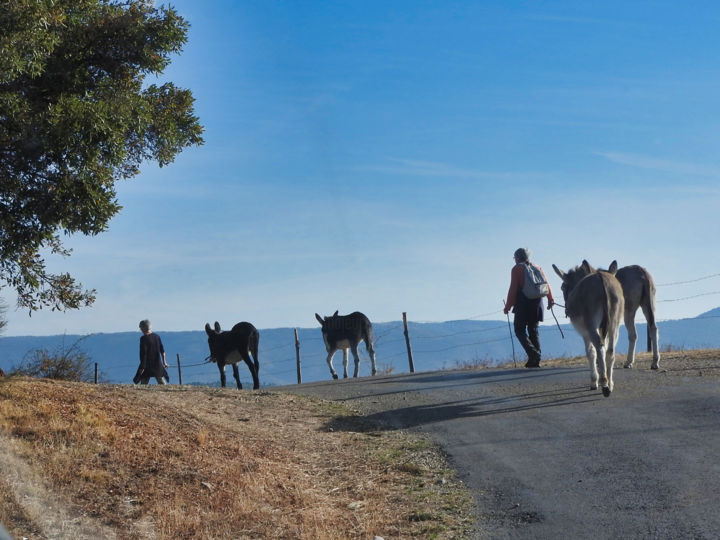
x=434 y=345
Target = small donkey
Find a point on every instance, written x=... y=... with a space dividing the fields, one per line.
x=232 y=347
x=347 y=331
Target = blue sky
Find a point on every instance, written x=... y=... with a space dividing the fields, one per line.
x=391 y=156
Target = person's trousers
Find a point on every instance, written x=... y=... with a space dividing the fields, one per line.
x=527 y=334
x=146 y=380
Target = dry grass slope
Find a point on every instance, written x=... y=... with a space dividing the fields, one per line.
x=86 y=461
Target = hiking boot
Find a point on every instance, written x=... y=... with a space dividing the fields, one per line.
x=533 y=362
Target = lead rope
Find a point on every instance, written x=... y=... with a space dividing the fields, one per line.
x=556 y=321
x=511 y=335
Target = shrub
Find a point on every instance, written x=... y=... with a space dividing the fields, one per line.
x=69 y=363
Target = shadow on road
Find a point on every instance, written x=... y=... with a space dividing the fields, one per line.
x=441 y=381
x=414 y=416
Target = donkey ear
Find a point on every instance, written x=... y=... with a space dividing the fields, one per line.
x=217 y=327
x=336 y=312
x=208 y=330
x=559 y=272
x=613 y=267
x=319 y=318
x=586 y=266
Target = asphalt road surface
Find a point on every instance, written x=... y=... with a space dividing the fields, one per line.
x=547 y=458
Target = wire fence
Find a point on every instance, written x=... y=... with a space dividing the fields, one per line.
x=290 y=359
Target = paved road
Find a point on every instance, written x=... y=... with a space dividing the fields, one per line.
x=547 y=458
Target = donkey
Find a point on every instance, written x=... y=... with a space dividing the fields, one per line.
x=594 y=302
x=639 y=292
x=343 y=332
x=233 y=346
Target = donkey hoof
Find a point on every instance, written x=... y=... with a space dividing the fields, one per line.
x=655 y=366
x=628 y=366
x=606 y=391
x=593 y=386
x=335 y=376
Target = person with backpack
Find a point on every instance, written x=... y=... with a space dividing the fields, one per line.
x=528 y=287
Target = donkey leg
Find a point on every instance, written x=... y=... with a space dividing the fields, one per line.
x=329 y=362
x=652 y=330
x=236 y=374
x=592 y=360
x=253 y=370
x=610 y=361
x=371 y=352
x=345 y=363
x=632 y=338
x=654 y=342
x=357 y=361
x=221 y=367
x=602 y=366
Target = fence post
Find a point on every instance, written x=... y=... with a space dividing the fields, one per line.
x=407 y=343
x=179 y=370
x=96 y=372
x=297 y=356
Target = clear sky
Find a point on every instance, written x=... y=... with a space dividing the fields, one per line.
x=390 y=156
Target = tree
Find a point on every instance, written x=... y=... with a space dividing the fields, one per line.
x=3 y=320
x=76 y=116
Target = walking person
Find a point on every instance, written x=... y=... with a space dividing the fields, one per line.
x=528 y=287
x=152 y=357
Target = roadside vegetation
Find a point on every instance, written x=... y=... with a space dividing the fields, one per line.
x=83 y=460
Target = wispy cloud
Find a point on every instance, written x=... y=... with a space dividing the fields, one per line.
x=413 y=167
x=659 y=164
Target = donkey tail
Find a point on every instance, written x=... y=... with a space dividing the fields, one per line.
x=605 y=322
x=368 y=336
x=649 y=298
x=254 y=346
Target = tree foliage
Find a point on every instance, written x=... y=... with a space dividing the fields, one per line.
x=77 y=115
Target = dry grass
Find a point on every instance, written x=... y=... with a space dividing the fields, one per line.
x=183 y=462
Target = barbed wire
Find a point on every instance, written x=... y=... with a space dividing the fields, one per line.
x=688 y=281
x=690 y=297
x=485 y=314
x=464 y=332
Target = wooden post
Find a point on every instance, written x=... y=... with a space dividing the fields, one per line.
x=297 y=356
x=96 y=372
x=179 y=370
x=407 y=343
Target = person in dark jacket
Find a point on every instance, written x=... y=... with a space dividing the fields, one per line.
x=528 y=312
x=152 y=357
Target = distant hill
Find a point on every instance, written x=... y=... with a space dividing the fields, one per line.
x=435 y=346
x=712 y=313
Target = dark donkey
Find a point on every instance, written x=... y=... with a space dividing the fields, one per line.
x=232 y=347
x=347 y=331
x=639 y=291
x=594 y=302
